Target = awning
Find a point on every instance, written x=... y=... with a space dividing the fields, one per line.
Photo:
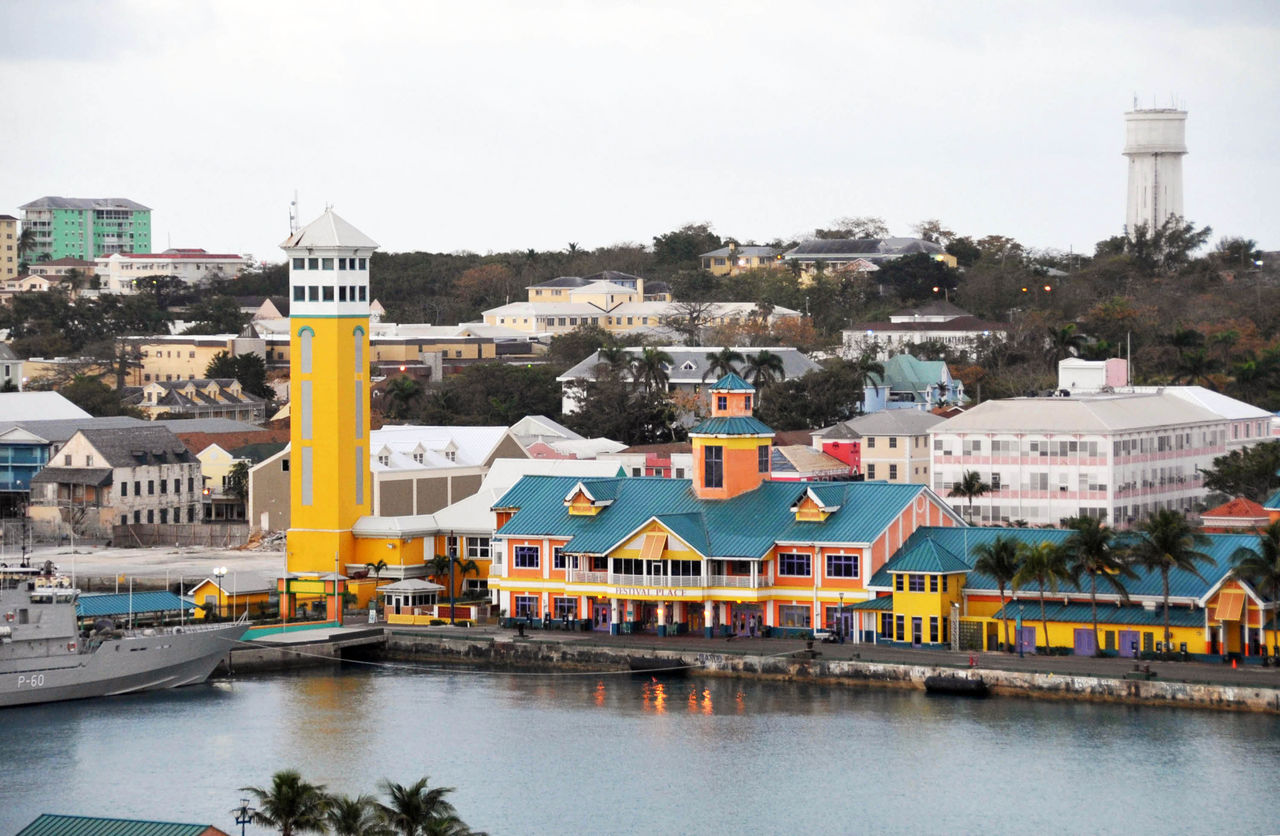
x=1230 y=605
x=655 y=542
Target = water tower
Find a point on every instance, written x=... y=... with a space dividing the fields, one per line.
x=1154 y=142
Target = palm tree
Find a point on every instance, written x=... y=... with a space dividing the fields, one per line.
x=1046 y=564
x=1164 y=541
x=1065 y=341
x=722 y=362
x=1091 y=550
x=290 y=804
x=970 y=487
x=611 y=359
x=354 y=817
x=650 y=368
x=764 y=369
x=401 y=392
x=1000 y=560
x=1261 y=567
x=26 y=243
x=411 y=810
x=376 y=569
x=438 y=566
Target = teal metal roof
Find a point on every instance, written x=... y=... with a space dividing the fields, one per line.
x=1273 y=502
x=1029 y=608
x=884 y=604
x=744 y=526
x=117 y=603
x=49 y=824
x=926 y=556
x=732 y=383
x=731 y=426
x=1183 y=585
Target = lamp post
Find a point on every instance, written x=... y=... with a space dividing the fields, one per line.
x=220 y=572
x=840 y=617
x=244 y=814
x=453 y=558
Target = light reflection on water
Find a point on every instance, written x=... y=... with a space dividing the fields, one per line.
x=620 y=754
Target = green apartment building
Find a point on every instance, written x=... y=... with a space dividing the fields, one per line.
x=86 y=228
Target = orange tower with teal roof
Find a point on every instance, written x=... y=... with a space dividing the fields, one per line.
x=731 y=449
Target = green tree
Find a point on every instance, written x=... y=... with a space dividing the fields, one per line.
x=1165 y=541
x=722 y=362
x=357 y=816
x=572 y=347
x=411 y=810
x=611 y=408
x=238 y=480
x=1065 y=341
x=249 y=369
x=970 y=487
x=96 y=398
x=650 y=369
x=999 y=559
x=1046 y=564
x=681 y=248
x=1091 y=550
x=401 y=393
x=862 y=227
x=764 y=368
x=26 y=246
x=1249 y=472
x=914 y=277
x=216 y=315
x=438 y=567
x=1260 y=567
x=290 y=805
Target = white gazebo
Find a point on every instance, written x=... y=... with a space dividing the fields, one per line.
x=404 y=596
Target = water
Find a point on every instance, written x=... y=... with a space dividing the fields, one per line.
x=616 y=754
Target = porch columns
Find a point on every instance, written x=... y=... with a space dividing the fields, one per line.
x=708 y=618
x=662 y=618
x=614 y=612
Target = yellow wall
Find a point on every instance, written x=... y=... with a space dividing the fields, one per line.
x=174 y=360
x=8 y=248
x=236 y=602
x=923 y=605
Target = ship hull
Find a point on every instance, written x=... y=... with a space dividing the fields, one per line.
x=167 y=659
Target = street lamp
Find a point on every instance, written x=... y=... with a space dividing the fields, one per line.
x=244 y=814
x=840 y=616
x=220 y=572
x=453 y=558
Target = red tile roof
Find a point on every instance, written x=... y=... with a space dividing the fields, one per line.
x=1238 y=507
x=180 y=254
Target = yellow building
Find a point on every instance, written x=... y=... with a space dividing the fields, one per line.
x=733 y=259
x=328 y=395
x=8 y=247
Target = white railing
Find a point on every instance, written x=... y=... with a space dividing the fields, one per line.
x=686 y=581
x=578 y=576
x=738 y=581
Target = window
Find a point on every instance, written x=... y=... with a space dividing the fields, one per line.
x=137 y=488
x=794 y=616
x=478 y=548
x=305 y=412
x=359 y=409
x=362 y=290
x=842 y=566
x=306 y=475
x=164 y=516
x=746 y=402
x=299 y=264
x=526 y=606
x=360 y=466
x=557 y=558
x=66 y=460
x=871 y=441
x=762 y=458
x=933 y=629
x=893 y=442
x=898 y=583
x=342 y=293
x=871 y=471
x=933 y=583
x=944 y=583
x=566 y=607
x=893 y=471
x=313 y=264
x=137 y=517
x=177 y=486
x=313 y=293
x=679 y=472
x=525 y=557
x=915 y=583
x=899 y=627
x=364 y=263
x=124 y=488
x=284 y=465
x=722 y=402
x=305 y=336
x=886 y=625
x=151 y=487
x=794 y=565
x=713 y=466
x=327 y=293
x=326 y=264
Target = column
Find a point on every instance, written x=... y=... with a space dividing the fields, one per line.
x=614 y=619
x=708 y=618
x=662 y=618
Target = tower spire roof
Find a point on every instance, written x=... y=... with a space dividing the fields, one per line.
x=329 y=230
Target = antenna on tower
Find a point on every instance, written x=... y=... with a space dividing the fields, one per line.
x=293 y=213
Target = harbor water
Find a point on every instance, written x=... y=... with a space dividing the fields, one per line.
x=570 y=754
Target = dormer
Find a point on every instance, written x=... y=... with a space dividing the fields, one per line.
x=449 y=451
x=418 y=453
x=811 y=507
x=383 y=456
x=588 y=499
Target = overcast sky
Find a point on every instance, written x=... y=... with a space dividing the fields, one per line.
x=490 y=126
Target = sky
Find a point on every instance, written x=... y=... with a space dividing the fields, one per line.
x=495 y=126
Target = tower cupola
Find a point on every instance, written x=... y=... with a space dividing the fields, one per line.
x=731 y=449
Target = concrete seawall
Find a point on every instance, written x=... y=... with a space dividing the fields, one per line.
x=526 y=655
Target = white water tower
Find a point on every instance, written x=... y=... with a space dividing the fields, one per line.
x=1154 y=141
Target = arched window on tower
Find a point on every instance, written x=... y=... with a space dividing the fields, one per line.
x=358 y=336
x=304 y=347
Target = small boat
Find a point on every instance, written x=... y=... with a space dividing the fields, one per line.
x=45 y=658
x=657 y=665
x=956 y=685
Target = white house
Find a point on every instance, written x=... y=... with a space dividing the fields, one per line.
x=120 y=272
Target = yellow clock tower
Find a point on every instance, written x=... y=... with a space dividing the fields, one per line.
x=329 y=479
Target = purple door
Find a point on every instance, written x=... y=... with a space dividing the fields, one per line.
x=1027 y=640
x=1086 y=642
x=1128 y=643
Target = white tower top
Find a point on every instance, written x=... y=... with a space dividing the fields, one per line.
x=329 y=268
x=1155 y=142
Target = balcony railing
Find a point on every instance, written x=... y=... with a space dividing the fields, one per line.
x=739 y=581
x=683 y=581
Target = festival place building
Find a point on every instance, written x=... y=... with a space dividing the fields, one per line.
x=729 y=551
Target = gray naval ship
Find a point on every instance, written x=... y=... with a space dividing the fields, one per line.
x=45 y=658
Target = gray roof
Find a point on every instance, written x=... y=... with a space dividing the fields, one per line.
x=615 y=276
x=794 y=363
x=1098 y=414
x=58 y=431
x=214 y=426
x=885 y=422
x=872 y=249
x=6 y=353
x=134 y=446
x=937 y=307
x=725 y=251
x=97 y=476
x=18 y=406
x=51 y=202
x=563 y=281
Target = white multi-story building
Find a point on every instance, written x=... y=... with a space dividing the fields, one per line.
x=121 y=272
x=1117 y=457
x=936 y=322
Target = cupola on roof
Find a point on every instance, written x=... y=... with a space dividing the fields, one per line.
x=327 y=231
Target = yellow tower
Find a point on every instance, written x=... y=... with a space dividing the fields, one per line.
x=329 y=479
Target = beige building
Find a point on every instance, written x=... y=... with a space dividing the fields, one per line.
x=8 y=248
x=197 y=398
x=416 y=470
x=121 y=272
x=186 y=356
x=733 y=259
x=892 y=445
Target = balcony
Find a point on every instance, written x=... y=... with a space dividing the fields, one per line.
x=669 y=581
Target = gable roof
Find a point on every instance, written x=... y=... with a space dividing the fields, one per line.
x=794 y=363
x=872 y=249
x=50 y=824
x=24 y=406
x=328 y=231
x=1240 y=507
x=133 y=446
x=1089 y=414
x=744 y=526
x=885 y=422
x=926 y=556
